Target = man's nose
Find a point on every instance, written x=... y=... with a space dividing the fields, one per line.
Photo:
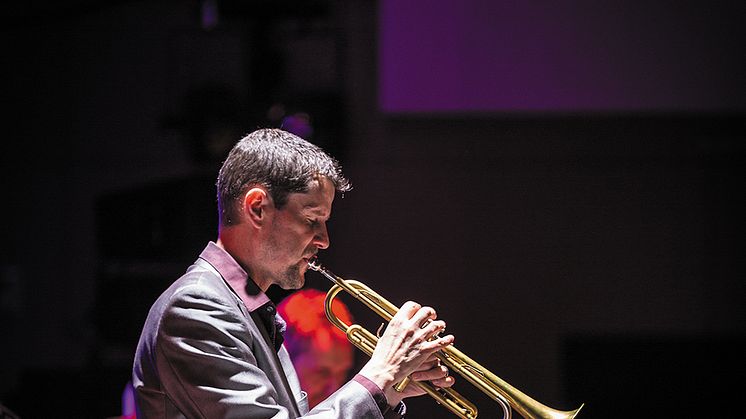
x=321 y=237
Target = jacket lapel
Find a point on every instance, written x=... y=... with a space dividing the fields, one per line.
x=266 y=356
x=275 y=372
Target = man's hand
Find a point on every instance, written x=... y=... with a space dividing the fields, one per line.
x=405 y=349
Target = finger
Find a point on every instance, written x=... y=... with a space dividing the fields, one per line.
x=407 y=310
x=432 y=328
x=423 y=315
x=429 y=364
x=430 y=332
x=444 y=382
x=435 y=373
x=436 y=344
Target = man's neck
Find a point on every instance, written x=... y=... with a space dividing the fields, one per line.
x=228 y=240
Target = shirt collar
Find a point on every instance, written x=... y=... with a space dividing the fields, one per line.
x=236 y=277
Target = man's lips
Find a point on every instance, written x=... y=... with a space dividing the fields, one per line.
x=309 y=258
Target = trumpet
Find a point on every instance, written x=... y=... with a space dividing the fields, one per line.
x=508 y=397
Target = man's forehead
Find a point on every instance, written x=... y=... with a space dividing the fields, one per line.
x=318 y=198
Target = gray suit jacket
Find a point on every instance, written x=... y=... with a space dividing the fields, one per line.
x=202 y=355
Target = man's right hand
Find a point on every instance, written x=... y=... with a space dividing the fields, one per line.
x=405 y=348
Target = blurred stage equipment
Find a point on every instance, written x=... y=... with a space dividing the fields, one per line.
x=500 y=391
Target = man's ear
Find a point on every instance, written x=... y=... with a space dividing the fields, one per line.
x=256 y=201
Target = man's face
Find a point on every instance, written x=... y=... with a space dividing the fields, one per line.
x=296 y=232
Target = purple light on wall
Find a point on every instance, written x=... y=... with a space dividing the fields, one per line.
x=481 y=55
x=209 y=14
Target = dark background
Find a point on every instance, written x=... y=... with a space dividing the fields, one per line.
x=583 y=253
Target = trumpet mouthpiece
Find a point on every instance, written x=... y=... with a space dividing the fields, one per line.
x=314 y=264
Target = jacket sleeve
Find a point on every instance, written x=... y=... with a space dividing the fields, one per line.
x=207 y=366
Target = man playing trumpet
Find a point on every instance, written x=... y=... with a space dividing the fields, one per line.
x=211 y=346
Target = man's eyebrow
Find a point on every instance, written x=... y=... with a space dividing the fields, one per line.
x=316 y=209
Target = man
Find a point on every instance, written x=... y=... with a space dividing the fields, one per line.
x=211 y=346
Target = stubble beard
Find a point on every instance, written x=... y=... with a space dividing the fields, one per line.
x=292 y=278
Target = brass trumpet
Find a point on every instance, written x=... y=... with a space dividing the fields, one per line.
x=507 y=396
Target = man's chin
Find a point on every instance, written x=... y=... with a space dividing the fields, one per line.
x=292 y=287
x=293 y=283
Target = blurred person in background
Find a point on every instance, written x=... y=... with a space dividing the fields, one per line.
x=320 y=352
